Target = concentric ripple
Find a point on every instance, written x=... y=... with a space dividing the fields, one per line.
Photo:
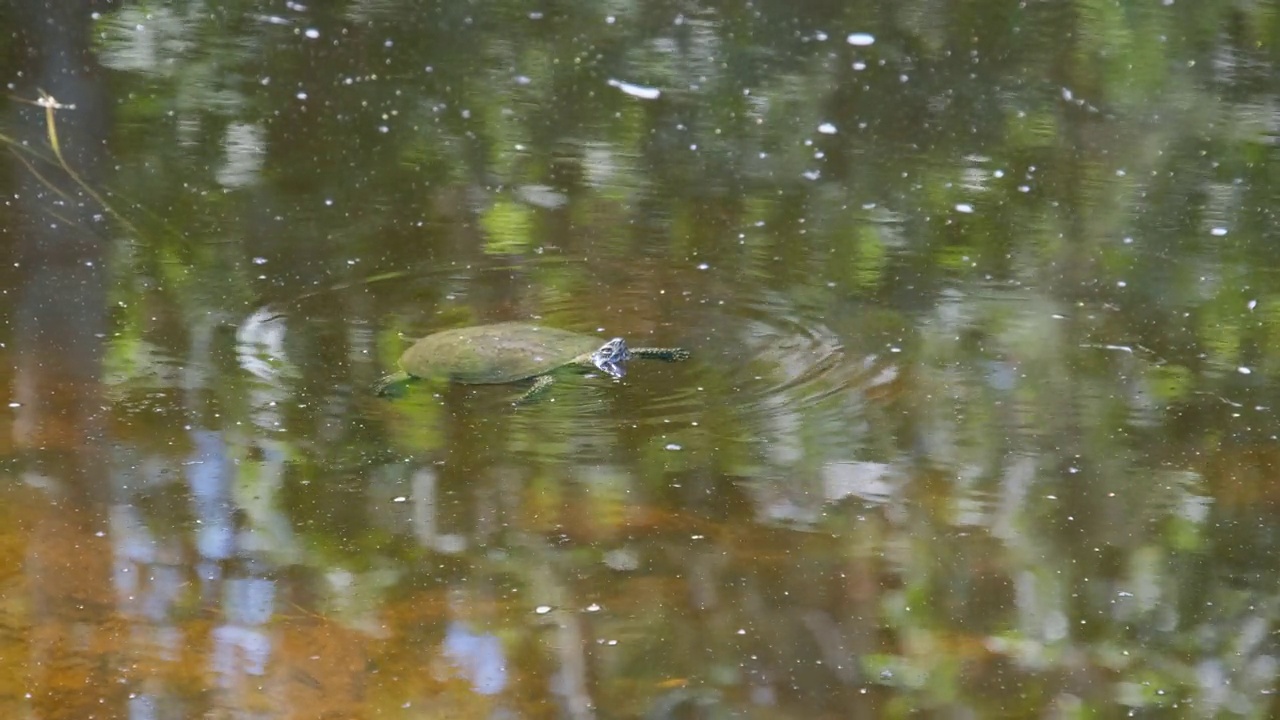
x=780 y=356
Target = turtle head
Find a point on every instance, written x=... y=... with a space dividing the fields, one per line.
x=611 y=356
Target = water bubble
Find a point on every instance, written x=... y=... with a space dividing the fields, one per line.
x=827 y=128
x=1218 y=231
x=860 y=39
x=964 y=208
x=311 y=33
x=542 y=609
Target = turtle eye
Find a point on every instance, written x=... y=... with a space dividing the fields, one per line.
x=615 y=349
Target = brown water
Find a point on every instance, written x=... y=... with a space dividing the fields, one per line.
x=980 y=419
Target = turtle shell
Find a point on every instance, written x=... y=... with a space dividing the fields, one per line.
x=499 y=353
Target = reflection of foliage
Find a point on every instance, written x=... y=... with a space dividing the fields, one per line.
x=1063 y=210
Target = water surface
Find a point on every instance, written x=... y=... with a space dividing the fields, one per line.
x=979 y=419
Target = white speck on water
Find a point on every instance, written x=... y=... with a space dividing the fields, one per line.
x=1252 y=304
x=542 y=609
x=673 y=446
x=811 y=174
x=15 y=405
x=610 y=20
x=259 y=261
x=399 y=498
x=827 y=128
x=1244 y=370
x=311 y=33
x=1128 y=241
x=302 y=95
x=1218 y=231
x=638 y=91
x=328 y=202
x=860 y=39
x=592 y=608
x=820 y=36
x=859 y=65
x=1024 y=188
x=1120 y=172
x=964 y=208
x=523 y=80
x=1121 y=283
x=704 y=266
x=998 y=174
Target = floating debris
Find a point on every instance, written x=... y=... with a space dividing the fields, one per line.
x=639 y=91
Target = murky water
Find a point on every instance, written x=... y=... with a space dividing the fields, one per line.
x=979 y=419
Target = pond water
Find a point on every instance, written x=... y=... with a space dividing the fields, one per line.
x=979 y=419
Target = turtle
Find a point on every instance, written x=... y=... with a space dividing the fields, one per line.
x=509 y=352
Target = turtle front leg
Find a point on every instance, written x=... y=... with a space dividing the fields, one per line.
x=540 y=385
x=393 y=385
x=668 y=354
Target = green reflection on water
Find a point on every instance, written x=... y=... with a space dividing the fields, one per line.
x=979 y=419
